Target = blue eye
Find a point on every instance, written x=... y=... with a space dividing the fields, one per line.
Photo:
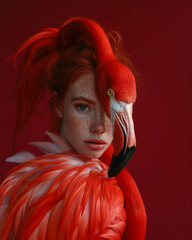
x=82 y=107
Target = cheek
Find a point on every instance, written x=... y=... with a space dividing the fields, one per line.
x=74 y=125
x=109 y=129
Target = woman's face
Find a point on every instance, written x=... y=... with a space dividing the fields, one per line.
x=85 y=126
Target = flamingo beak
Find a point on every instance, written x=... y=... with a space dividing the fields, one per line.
x=122 y=114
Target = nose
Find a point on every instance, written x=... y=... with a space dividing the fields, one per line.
x=98 y=123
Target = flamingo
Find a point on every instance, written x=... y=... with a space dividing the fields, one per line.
x=64 y=195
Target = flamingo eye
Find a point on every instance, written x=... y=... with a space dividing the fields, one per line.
x=110 y=92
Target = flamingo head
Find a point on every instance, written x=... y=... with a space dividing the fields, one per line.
x=116 y=90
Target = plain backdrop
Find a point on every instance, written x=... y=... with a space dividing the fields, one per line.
x=157 y=37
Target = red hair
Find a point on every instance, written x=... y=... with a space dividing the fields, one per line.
x=54 y=60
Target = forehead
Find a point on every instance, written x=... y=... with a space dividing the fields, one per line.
x=83 y=86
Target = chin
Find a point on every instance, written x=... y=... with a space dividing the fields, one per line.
x=93 y=154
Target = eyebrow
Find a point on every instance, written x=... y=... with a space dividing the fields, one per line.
x=83 y=99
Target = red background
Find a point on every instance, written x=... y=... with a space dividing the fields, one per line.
x=157 y=36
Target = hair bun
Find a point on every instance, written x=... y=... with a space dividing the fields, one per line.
x=77 y=29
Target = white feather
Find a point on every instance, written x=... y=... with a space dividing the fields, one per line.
x=60 y=142
x=58 y=145
x=20 y=157
x=46 y=147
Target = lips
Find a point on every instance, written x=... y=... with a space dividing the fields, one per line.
x=95 y=144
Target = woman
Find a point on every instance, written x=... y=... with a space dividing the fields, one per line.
x=69 y=193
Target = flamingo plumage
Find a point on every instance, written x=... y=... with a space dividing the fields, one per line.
x=65 y=195
x=61 y=197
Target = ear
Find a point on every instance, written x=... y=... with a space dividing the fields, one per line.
x=59 y=110
x=58 y=105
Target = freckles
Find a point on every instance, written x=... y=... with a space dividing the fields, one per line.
x=109 y=133
x=84 y=124
x=109 y=127
x=77 y=122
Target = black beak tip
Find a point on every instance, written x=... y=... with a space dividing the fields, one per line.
x=120 y=161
